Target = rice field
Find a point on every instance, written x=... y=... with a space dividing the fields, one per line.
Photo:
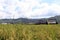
x=29 y=32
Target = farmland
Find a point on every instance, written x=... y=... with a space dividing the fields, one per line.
x=29 y=32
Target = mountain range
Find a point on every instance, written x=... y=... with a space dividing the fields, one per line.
x=26 y=20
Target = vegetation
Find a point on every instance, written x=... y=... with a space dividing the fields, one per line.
x=29 y=32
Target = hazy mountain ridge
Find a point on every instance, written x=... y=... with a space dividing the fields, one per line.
x=26 y=21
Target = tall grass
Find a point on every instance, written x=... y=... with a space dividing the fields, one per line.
x=29 y=32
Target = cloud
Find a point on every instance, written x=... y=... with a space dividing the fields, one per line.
x=28 y=8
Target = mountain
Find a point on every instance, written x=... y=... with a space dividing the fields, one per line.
x=26 y=21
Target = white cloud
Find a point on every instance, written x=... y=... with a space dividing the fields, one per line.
x=27 y=8
x=3 y=15
x=56 y=8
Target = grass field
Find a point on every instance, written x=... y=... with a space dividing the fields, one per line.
x=29 y=32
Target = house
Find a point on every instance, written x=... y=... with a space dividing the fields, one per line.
x=47 y=21
x=4 y=23
x=52 y=21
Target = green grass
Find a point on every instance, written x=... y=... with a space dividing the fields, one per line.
x=29 y=32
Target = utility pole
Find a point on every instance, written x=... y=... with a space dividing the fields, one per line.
x=13 y=19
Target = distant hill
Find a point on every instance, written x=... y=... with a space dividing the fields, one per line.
x=26 y=21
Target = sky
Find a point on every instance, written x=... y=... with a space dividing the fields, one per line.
x=29 y=8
